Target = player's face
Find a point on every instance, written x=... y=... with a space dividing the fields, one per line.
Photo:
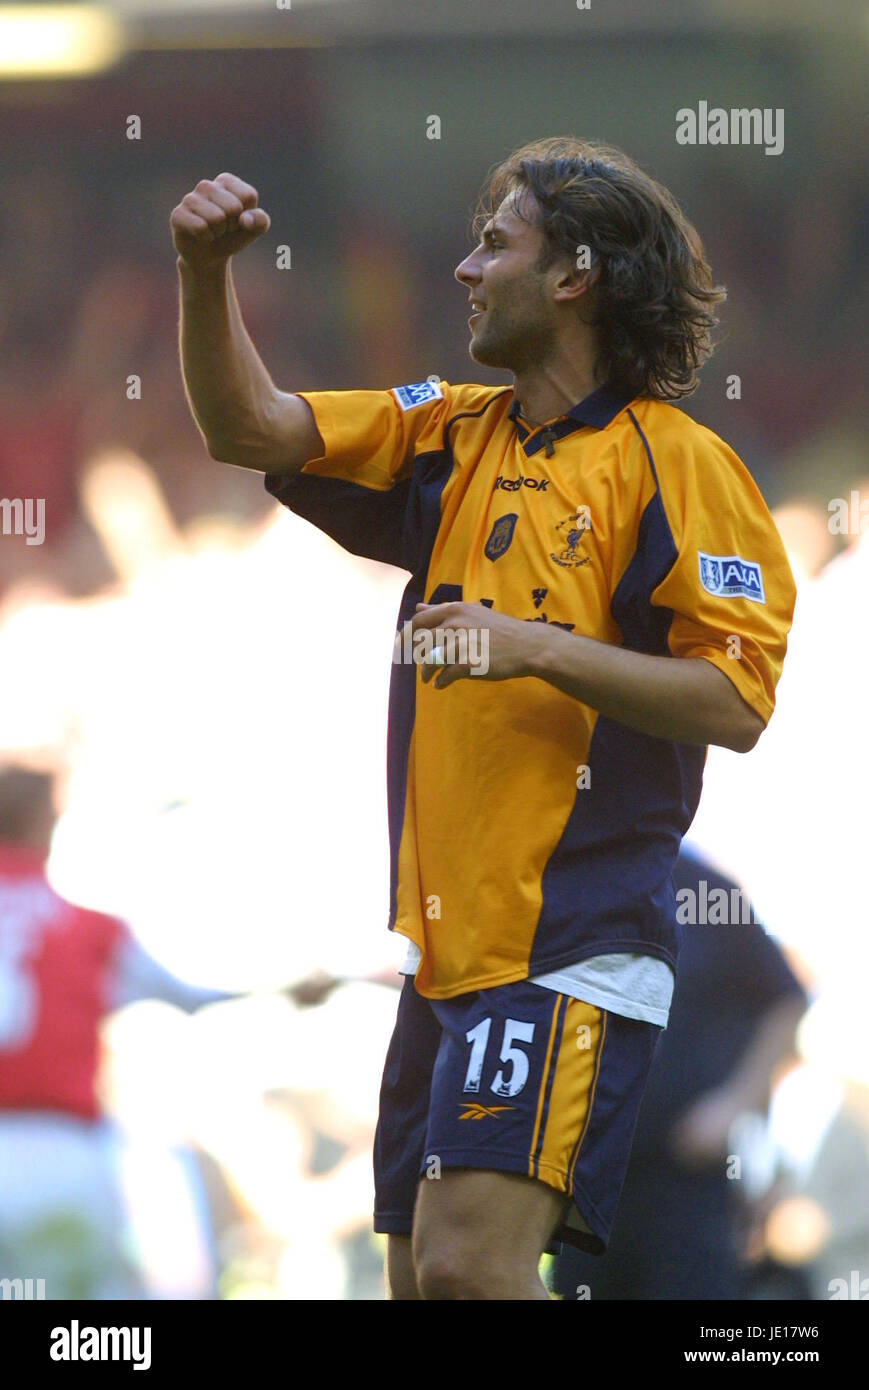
x=516 y=324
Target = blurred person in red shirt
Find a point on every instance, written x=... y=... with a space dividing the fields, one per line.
x=62 y=969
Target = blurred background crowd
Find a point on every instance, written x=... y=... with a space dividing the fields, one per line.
x=209 y=677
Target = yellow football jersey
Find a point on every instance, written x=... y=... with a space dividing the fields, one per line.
x=527 y=831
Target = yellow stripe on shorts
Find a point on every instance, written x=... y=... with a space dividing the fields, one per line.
x=547 y=1065
x=567 y=1091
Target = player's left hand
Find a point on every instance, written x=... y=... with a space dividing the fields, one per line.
x=496 y=647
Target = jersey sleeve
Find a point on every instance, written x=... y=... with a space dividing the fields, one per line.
x=359 y=489
x=136 y=975
x=730 y=589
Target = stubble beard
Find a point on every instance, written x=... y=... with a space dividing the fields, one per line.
x=513 y=339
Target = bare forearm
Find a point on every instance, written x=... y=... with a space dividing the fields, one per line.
x=684 y=699
x=229 y=390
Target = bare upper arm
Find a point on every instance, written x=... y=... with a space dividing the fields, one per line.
x=285 y=442
x=296 y=434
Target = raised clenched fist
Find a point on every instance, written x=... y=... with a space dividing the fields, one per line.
x=216 y=220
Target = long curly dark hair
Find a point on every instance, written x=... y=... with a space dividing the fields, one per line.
x=653 y=294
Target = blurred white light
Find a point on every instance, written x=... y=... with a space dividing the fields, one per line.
x=57 y=40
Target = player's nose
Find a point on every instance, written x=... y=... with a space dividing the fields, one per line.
x=467 y=271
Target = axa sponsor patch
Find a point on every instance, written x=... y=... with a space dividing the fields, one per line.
x=729 y=576
x=417 y=393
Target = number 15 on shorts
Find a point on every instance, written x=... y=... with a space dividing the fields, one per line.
x=511 y=1081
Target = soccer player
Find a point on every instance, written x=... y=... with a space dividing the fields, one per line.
x=63 y=968
x=597 y=593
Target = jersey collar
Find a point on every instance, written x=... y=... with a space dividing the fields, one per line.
x=597 y=410
x=17 y=858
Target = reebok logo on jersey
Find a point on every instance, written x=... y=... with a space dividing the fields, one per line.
x=514 y=484
x=729 y=576
x=417 y=393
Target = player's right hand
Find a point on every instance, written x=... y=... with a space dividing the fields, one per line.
x=219 y=218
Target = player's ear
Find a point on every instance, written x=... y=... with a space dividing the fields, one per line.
x=574 y=281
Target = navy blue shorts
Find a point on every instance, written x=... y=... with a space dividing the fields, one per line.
x=516 y=1079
